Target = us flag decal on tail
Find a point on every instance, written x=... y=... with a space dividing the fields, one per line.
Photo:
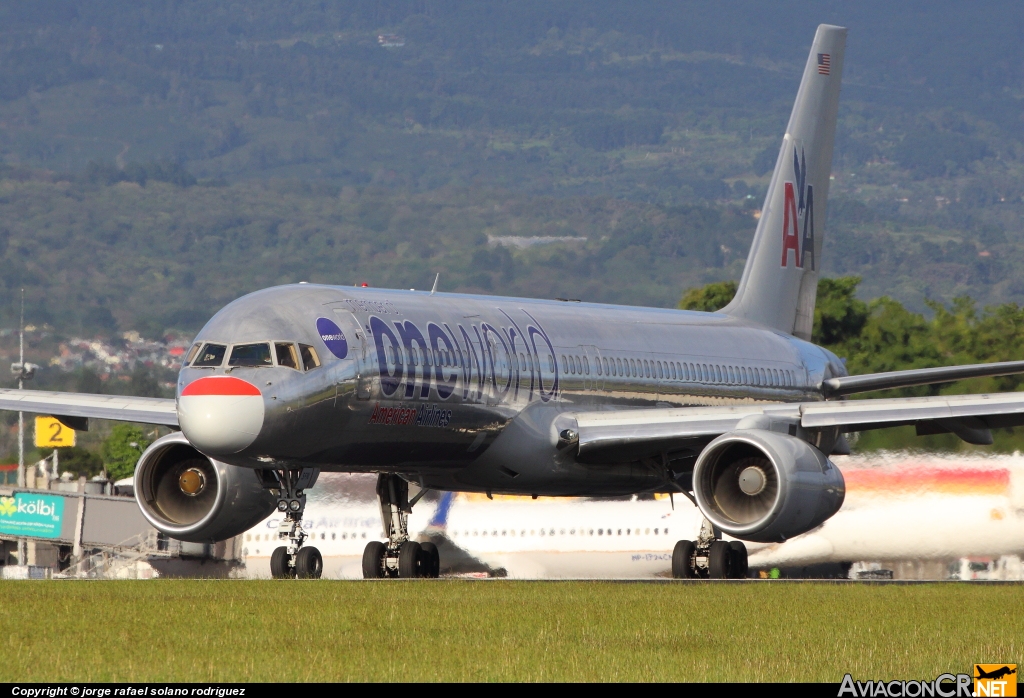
x=824 y=63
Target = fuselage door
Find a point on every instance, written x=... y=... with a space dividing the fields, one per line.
x=357 y=352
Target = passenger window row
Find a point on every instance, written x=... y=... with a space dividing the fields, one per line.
x=572 y=532
x=679 y=371
x=301 y=357
x=269 y=537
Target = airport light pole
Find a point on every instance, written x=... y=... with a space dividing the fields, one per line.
x=24 y=372
x=22 y=542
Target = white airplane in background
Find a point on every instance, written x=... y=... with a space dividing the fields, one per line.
x=943 y=508
x=929 y=507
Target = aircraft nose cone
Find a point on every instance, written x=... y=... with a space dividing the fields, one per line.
x=220 y=415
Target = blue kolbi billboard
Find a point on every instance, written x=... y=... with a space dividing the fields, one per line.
x=30 y=514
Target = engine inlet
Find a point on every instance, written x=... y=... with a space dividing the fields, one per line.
x=766 y=486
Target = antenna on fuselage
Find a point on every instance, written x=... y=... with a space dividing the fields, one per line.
x=436 y=279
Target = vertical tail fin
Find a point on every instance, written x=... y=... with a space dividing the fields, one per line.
x=444 y=506
x=780 y=279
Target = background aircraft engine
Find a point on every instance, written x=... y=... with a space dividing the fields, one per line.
x=191 y=497
x=763 y=486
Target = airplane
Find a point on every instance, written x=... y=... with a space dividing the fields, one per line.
x=735 y=410
x=995 y=674
x=944 y=506
x=902 y=507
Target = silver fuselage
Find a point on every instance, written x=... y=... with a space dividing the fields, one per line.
x=463 y=392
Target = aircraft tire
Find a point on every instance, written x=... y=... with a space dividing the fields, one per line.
x=279 y=563
x=373 y=560
x=739 y=559
x=409 y=558
x=682 y=560
x=309 y=563
x=431 y=564
x=720 y=559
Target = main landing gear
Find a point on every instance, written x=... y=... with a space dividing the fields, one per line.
x=399 y=556
x=293 y=560
x=709 y=557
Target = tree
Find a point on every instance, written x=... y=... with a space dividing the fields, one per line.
x=78 y=461
x=121 y=450
x=893 y=338
x=709 y=298
x=838 y=315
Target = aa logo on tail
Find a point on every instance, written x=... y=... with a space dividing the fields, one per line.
x=798 y=211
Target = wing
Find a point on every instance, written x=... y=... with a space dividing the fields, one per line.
x=148 y=410
x=610 y=435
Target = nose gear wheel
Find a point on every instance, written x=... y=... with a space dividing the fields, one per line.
x=292 y=559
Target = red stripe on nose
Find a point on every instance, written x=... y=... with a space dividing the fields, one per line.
x=220 y=385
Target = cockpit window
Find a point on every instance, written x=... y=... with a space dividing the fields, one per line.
x=250 y=355
x=286 y=355
x=192 y=353
x=309 y=358
x=211 y=355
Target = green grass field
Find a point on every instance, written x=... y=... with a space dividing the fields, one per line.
x=501 y=631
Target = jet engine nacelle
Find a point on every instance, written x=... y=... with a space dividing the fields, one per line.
x=764 y=486
x=191 y=497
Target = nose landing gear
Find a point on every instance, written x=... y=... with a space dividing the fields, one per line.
x=709 y=557
x=293 y=560
x=399 y=557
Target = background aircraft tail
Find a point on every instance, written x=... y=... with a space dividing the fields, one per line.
x=439 y=521
x=780 y=279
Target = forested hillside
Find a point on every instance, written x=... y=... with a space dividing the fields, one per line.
x=160 y=158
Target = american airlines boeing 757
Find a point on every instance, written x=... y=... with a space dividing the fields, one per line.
x=735 y=410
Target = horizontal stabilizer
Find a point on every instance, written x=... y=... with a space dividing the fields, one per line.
x=848 y=385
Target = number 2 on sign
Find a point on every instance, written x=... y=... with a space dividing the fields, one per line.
x=50 y=433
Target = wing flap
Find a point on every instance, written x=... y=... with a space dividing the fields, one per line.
x=998 y=409
x=147 y=410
